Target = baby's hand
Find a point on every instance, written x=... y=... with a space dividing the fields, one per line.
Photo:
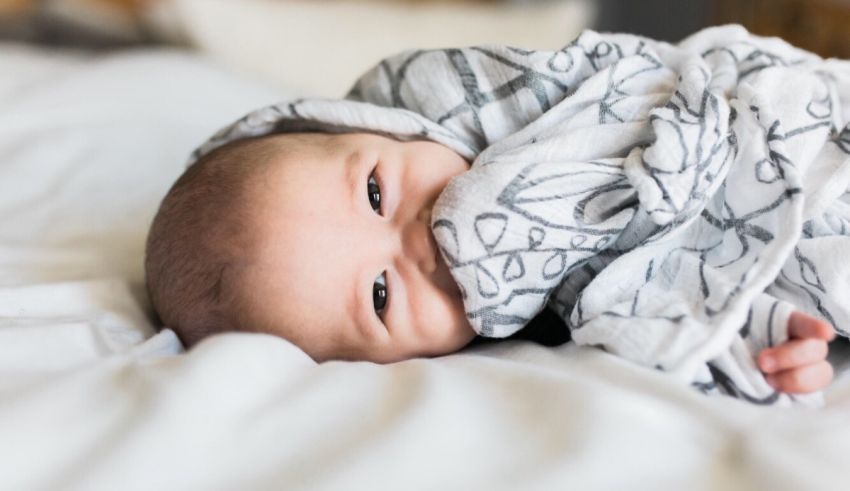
x=799 y=365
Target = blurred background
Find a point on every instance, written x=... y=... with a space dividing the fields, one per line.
x=318 y=46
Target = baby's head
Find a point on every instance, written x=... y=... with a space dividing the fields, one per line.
x=324 y=240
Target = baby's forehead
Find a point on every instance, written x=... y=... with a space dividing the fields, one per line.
x=304 y=182
x=310 y=143
x=316 y=160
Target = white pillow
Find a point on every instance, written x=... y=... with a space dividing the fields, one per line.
x=89 y=144
x=319 y=48
x=88 y=147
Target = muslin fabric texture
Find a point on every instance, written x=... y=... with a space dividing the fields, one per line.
x=672 y=203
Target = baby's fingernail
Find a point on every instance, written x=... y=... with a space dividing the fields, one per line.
x=768 y=363
x=771 y=380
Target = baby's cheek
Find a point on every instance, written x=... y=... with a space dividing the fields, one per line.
x=452 y=327
x=434 y=314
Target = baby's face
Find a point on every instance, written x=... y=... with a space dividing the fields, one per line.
x=346 y=265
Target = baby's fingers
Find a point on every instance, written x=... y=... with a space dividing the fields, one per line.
x=803 y=326
x=801 y=380
x=792 y=354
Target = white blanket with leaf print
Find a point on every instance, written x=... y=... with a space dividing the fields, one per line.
x=672 y=203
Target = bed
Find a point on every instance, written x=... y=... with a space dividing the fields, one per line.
x=93 y=396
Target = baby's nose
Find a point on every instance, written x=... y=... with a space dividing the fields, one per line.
x=419 y=244
x=424 y=216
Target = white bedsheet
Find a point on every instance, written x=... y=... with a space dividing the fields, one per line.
x=91 y=398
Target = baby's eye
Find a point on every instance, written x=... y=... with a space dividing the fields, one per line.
x=379 y=293
x=373 y=190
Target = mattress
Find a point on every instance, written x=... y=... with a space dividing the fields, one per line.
x=94 y=396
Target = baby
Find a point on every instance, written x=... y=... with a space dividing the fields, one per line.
x=325 y=240
x=674 y=205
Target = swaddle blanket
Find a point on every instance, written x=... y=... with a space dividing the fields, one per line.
x=672 y=203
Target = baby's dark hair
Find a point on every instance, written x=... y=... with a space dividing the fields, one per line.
x=200 y=239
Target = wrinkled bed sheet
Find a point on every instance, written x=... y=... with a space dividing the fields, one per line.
x=92 y=398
